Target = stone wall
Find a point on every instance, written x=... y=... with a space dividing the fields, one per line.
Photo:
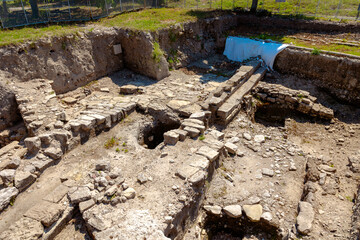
x=337 y=75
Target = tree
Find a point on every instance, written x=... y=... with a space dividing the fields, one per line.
x=5 y=9
x=254 y=6
x=34 y=8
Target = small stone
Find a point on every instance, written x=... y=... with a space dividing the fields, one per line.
x=267 y=172
x=267 y=216
x=233 y=211
x=83 y=206
x=247 y=136
x=129 y=193
x=259 y=138
x=69 y=100
x=292 y=167
x=102 y=165
x=231 y=148
x=253 y=212
x=104 y=90
x=215 y=210
x=111 y=191
x=142 y=178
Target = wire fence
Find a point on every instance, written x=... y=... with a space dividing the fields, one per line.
x=14 y=13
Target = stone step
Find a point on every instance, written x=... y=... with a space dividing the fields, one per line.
x=226 y=89
x=231 y=107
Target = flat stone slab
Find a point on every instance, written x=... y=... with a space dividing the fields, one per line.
x=208 y=152
x=23 y=180
x=305 y=218
x=25 y=228
x=45 y=212
x=80 y=195
x=57 y=194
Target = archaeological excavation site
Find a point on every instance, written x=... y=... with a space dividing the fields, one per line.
x=116 y=133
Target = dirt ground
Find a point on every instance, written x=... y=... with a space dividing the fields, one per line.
x=296 y=150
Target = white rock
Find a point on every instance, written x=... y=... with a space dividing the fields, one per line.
x=233 y=211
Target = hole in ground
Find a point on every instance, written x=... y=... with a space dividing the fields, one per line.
x=225 y=228
x=275 y=115
x=152 y=133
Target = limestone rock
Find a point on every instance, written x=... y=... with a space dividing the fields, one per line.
x=69 y=100
x=216 y=210
x=32 y=144
x=102 y=165
x=53 y=152
x=25 y=228
x=208 y=152
x=233 y=211
x=253 y=212
x=45 y=212
x=83 y=206
x=305 y=218
x=231 y=148
x=171 y=137
x=129 y=193
x=23 y=180
x=259 y=138
x=7 y=175
x=268 y=172
x=80 y=195
x=5 y=196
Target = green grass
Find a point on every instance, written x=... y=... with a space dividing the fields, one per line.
x=316 y=46
x=148 y=20
x=315 y=51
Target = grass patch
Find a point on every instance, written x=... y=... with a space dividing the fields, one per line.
x=111 y=142
x=202 y=138
x=157 y=52
x=315 y=51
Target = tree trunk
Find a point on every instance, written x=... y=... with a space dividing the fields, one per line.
x=34 y=8
x=5 y=8
x=254 y=6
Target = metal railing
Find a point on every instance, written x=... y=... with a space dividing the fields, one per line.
x=14 y=13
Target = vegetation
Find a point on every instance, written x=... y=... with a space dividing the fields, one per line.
x=111 y=142
x=315 y=51
x=202 y=137
x=157 y=52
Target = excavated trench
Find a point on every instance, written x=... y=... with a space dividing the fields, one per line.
x=221 y=228
x=151 y=134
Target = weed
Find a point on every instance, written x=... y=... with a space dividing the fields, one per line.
x=32 y=45
x=111 y=143
x=113 y=196
x=349 y=198
x=202 y=137
x=172 y=37
x=331 y=165
x=117 y=150
x=157 y=52
x=52 y=92
x=63 y=45
x=12 y=201
x=315 y=51
x=126 y=150
x=124 y=144
x=90 y=83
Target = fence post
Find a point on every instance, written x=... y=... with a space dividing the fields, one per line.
x=338 y=8
x=247 y=4
x=197 y=4
x=2 y=25
x=210 y=3
x=317 y=6
x=298 y=7
x=221 y=4
x=106 y=7
x=133 y=5
x=233 y=5
x=22 y=5
x=47 y=10
x=69 y=9
x=120 y=6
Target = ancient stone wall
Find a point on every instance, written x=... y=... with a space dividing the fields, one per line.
x=338 y=75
